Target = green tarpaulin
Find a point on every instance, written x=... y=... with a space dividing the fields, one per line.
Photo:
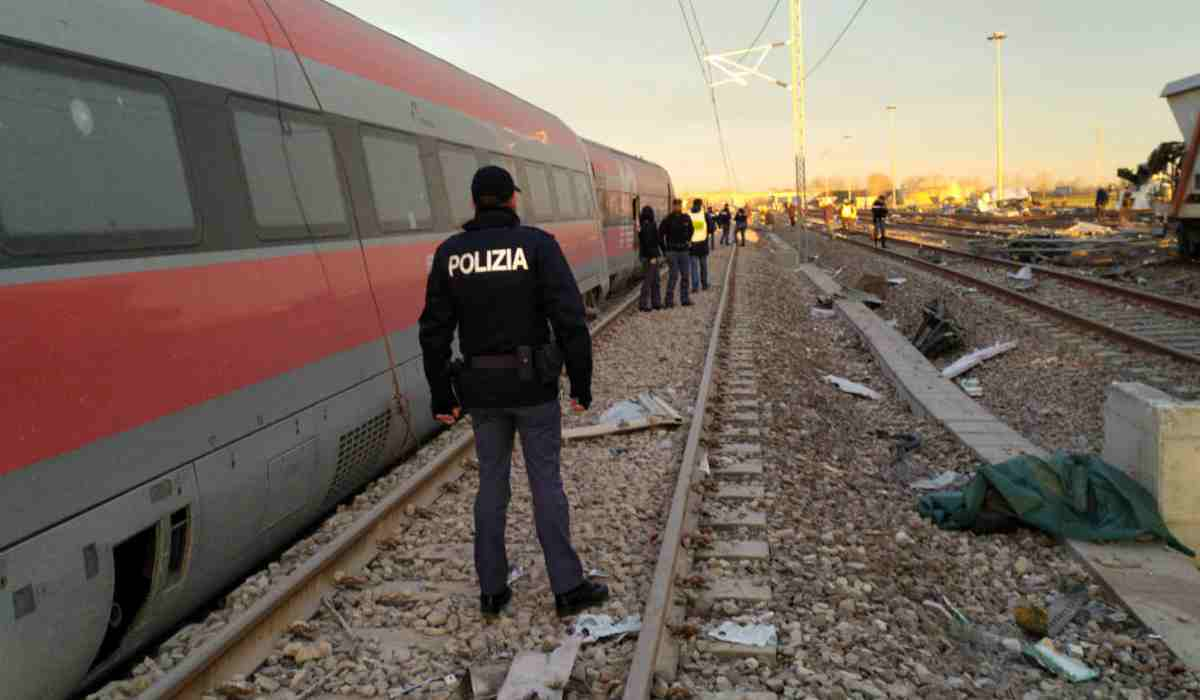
x=1074 y=496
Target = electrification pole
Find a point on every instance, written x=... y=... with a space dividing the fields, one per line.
x=892 y=113
x=996 y=38
x=799 y=136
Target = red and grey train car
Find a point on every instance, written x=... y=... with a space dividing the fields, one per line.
x=216 y=218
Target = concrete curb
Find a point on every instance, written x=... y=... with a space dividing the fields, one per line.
x=1159 y=586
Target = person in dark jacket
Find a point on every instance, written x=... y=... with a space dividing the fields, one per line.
x=502 y=287
x=741 y=222
x=676 y=234
x=650 y=251
x=879 y=214
x=723 y=221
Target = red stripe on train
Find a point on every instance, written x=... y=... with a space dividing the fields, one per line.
x=91 y=357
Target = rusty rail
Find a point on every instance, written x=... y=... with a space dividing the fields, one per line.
x=640 y=681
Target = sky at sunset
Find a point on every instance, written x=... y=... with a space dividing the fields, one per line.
x=622 y=72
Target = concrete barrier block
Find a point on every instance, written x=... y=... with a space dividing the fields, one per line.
x=1156 y=439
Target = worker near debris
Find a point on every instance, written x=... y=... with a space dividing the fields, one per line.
x=879 y=214
x=676 y=234
x=740 y=221
x=700 y=235
x=502 y=287
x=724 y=219
x=848 y=215
x=650 y=251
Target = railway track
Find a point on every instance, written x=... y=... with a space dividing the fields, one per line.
x=250 y=638
x=351 y=580
x=1130 y=316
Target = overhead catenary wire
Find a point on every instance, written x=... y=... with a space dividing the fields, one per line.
x=836 y=41
x=697 y=47
x=762 y=30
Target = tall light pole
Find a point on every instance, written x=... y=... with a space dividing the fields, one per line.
x=892 y=114
x=799 y=137
x=997 y=38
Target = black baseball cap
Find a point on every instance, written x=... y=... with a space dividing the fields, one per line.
x=492 y=181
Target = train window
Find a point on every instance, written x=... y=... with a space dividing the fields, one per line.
x=459 y=166
x=566 y=197
x=583 y=194
x=539 y=192
x=397 y=181
x=92 y=159
x=292 y=172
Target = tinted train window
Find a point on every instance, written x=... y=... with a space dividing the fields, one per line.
x=539 y=192
x=566 y=197
x=459 y=166
x=291 y=170
x=397 y=182
x=583 y=194
x=91 y=159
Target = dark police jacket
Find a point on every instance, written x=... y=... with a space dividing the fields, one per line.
x=676 y=231
x=649 y=245
x=879 y=210
x=502 y=285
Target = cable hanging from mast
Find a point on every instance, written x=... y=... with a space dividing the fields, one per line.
x=730 y=174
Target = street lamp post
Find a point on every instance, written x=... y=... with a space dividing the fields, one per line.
x=799 y=137
x=997 y=38
x=892 y=114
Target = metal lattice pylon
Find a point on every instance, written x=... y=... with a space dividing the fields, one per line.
x=736 y=72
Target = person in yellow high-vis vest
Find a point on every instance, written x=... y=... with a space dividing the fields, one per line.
x=699 y=249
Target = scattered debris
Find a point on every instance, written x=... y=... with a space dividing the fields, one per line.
x=897 y=281
x=853 y=387
x=818 y=314
x=516 y=573
x=939 y=333
x=971 y=387
x=1059 y=663
x=593 y=628
x=1022 y=280
x=1064 y=608
x=976 y=357
x=1033 y=619
x=647 y=411
x=936 y=483
x=749 y=635
x=485 y=680
x=534 y=674
x=705 y=467
x=874 y=285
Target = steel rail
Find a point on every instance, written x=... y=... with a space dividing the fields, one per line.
x=1175 y=305
x=640 y=681
x=242 y=645
x=1040 y=306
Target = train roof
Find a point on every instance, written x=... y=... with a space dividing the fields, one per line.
x=1182 y=85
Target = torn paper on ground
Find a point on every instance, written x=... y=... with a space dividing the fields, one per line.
x=749 y=635
x=853 y=387
x=936 y=483
x=591 y=628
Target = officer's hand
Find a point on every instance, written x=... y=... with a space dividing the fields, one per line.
x=577 y=407
x=450 y=418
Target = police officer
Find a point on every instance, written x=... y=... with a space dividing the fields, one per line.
x=503 y=286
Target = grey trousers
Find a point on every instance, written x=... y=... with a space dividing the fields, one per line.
x=540 y=428
x=680 y=262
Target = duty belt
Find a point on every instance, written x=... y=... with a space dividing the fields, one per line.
x=495 y=362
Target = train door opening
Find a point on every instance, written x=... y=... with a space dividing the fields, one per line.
x=133 y=568
x=636 y=218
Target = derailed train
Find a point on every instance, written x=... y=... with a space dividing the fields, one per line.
x=216 y=218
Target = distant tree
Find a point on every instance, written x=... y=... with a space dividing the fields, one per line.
x=1163 y=159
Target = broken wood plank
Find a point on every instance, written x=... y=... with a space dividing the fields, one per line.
x=544 y=676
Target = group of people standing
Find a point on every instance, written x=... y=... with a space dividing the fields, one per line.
x=684 y=240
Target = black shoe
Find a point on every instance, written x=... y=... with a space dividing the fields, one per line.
x=491 y=605
x=687 y=303
x=668 y=306
x=579 y=598
x=643 y=309
x=656 y=308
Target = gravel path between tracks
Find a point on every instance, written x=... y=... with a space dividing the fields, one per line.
x=852 y=563
x=1051 y=387
x=415 y=611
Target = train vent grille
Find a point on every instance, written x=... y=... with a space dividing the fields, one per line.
x=358 y=451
